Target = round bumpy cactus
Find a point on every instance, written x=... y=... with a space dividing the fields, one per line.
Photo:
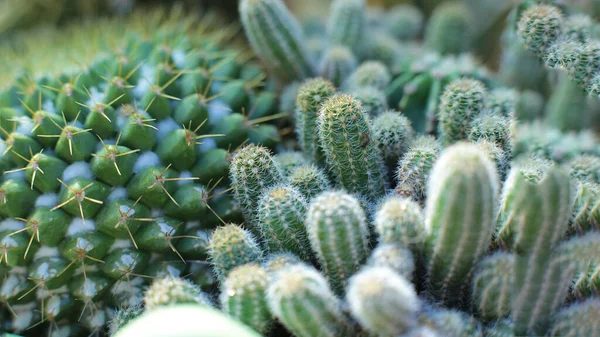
x=309 y=180
x=400 y=221
x=463 y=193
x=393 y=135
x=338 y=233
x=346 y=139
x=337 y=64
x=123 y=316
x=382 y=301
x=462 y=101
x=244 y=296
x=394 y=256
x=301 y=299
x=540 y=26
x=492 y=286
x=577 y=320
x=414 y=168
x=450 y=29
x=347 y=23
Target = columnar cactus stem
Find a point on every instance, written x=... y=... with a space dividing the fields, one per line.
x=347 y=23
x=460 y=213
x=383 y=302
x=173 y=291
x=339 y=235
x=244 y=297
x=276 y=36
x=462 y=101
x=231 y=246
x=393 y=135
x=252 y=172
x=337 y=64
x=303 y=302
x=400 y=221
x=450 y=29
x=311 y=96
x=539 y=27
x=394 y=256
x=347 y=140
x=281 y=213
x=309 y=180
x=580 y=319
x=492 y=286
x=414 y=168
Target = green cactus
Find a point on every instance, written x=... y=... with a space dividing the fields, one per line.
x=337 y=64
x=346 y=138
x=540 y=26
x=394 y=256
x=369 y=73
x=373 y=100
x=244 y=297
x=462 y=101
x=450 y=29
x=276 y=36
x=577 y=320
x=405 y=22
x=382 y=301
x=346 y=24
x=300 y=298
x=123 y=316
x=459 y=231
x=231 y=246
x=309 y=180
x=492 y=286
x=312 y=94
x=415 y=166
x=173 y=291
x=393 y=134
x=281 y=213
x=400 y=221
x=337 y=229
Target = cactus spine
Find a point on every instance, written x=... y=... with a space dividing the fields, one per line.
x=460 y=212
x=276 y=36
x=346 y=138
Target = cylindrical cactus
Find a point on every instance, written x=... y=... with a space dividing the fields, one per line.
x=414 y=168
x=231 y=246
x=337 y=64
x=277 y=37
x=173 y=291
x=460 y=213
x=450 y=29
x=281 y=212
x=252 y=172
x=369 y=73
x=300 y=298
x=346 y=138
x=337 y=228
x=309 y=180
x=400 y=221
x=393 y=135
x=347 y=23
x=244 y=296
x=462 y=101
x=382 y=301
x=394 y=256
x=580 y=319
x=539 y=27
x=492 y=286
x=311 y=96
x=124 y=315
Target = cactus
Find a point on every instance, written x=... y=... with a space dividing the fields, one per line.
x=252 y=171
x=173 y=291
x=372 y=99
x=231 y=246
x=382 y=301
x=123 y=316
x=276 y=36
x=496 y=129
x=400 y=221
x=346 y=138
x=393 y=135
x=311 y=96
x=369 y=73
x=337 y=64
x=459 y=231
x=414 y=168
x=300 y=298
x=281 y=212
x=492 y=286
x=461 y=102
x=450 y=29
x=244 y=297
x=586 y=168
x=405 y=22
x=577 y=319
x=309 y=180
x=346 y=24
x=395 y=257
x=338 y=233
x=539 y=27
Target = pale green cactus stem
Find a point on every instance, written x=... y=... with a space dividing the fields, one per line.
x=383 y=302
x=450 y=29
x=231 y=246
x=462 y=101
x=173 y=291
x=492 y=286
x=347 y=23
x=460 y=214
x=393 y=135
x=337 y=228
x=281 y=212
x=276 y=36
x=579 y=319
x=311 y=96
x=337 y=64
x=394 y=256
x=252 y=172
x=539 y=27
x=310 y=180
x=414 y=168
x=301 y=299
x=586 y=208
x=346 y=138
x=244 y=297
x=586 y=168
x=278 y=261
x=541 y=209
x=400 y=221
x=494 y=128
x=452 y=323
x=504 y=328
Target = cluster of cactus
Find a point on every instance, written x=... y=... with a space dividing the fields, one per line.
x=115 y=172
x=468 y=224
